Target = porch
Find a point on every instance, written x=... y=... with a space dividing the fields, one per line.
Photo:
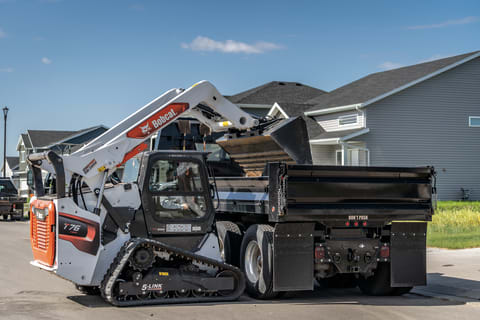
x=340 y=148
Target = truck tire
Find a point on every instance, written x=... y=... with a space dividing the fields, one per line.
x=398 y=291
x=257 y=261
x=379 y=283
x=230 y=239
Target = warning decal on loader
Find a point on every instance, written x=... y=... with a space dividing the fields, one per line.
x=89 y=166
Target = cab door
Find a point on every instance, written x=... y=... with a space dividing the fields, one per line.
x=176 y=196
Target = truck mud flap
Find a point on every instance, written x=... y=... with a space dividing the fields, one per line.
x=408 y=254
x=293 y=256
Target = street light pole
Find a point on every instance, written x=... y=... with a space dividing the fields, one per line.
x=5 y=111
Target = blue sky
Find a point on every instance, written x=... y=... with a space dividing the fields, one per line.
x=68 y=64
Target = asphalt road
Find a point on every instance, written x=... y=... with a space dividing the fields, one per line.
x=29 y=293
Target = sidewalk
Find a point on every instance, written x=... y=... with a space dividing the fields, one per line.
x=452 y=273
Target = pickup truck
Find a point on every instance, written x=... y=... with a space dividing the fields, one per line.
x=11 y=205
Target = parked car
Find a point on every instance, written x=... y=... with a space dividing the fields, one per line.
x=11 y=205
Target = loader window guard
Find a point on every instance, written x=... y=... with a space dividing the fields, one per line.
x=131 y=170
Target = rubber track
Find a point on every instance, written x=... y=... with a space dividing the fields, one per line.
x=129 y=247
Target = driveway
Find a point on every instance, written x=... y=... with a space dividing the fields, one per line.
x=29 y=293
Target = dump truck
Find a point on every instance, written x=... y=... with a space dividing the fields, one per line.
x=171 y=231
x=287 y=223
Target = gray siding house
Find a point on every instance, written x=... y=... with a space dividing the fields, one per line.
x=426 y=114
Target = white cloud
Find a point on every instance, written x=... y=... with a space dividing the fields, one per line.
x=45 y=60
x=229 y=46
x=444 y=24
x=8 y=70
x=388 y=65
x=3 y=34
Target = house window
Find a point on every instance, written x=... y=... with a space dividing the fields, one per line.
x=474 y=121
x=356 y=157
x=339 y=156
x=347 y=119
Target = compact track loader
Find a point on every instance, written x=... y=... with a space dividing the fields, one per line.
x=149 y=241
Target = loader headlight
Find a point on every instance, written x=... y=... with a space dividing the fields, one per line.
x=40 y=214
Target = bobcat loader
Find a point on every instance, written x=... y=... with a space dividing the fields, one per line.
x=153 y=240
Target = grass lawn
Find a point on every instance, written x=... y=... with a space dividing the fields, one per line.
x=455 y=225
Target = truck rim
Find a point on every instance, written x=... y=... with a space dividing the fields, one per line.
x=253 y=261
x=222 y=248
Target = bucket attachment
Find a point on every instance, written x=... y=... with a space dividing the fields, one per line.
x=283 y=141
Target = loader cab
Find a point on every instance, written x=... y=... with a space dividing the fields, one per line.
x=175 y=193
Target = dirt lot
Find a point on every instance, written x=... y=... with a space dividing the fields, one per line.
x=29 y=293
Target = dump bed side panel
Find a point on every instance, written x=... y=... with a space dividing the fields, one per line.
x=300 y=192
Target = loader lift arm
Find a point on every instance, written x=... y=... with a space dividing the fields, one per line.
x=94 y=161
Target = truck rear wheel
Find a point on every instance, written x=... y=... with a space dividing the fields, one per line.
x=379 y=283
x=230 y=239
x=257 y=261
x=398 y=291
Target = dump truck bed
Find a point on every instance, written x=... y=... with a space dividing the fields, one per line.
x=332 y=194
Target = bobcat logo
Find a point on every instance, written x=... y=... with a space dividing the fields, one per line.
x=146 y=129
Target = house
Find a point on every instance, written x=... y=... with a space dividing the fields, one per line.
x=62 y=142
x=425 y=114
x=11 y=169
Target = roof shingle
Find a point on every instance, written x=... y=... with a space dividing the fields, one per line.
x=12 y=162
x=276 y=91
x=43 y=138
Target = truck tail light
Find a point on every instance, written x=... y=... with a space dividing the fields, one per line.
x=319 y=253
x=385 y=251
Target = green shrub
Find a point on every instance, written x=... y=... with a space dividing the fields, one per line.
x=455 y=225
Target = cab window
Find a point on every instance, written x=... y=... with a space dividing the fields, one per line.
x=176 y=188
